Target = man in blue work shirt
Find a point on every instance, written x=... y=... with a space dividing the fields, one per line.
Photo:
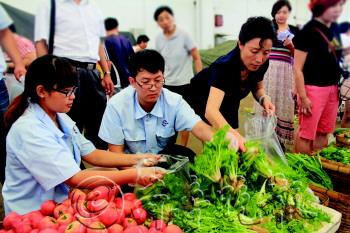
x=145 y=117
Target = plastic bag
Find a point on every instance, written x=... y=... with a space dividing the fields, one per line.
x=262 y=128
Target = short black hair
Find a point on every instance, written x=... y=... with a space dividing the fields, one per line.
x=278 y=5
x=160 y=10
x=111 y=23
x=257 y=27
x=12 y=28
x=147 y=59
x=344 y=27
x=142 y=38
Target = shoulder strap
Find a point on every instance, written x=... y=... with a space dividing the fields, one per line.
x=330 y=46
x=52 y=26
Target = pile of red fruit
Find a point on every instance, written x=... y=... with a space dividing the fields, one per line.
x=97 y=211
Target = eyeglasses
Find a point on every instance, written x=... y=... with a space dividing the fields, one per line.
x=67 y=92
x=149 y=85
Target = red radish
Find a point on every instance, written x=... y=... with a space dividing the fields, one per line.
x=75 y=227
x=96 y=227
x=111 y=215
x=48 y=222
x=9 y=219
x=140 y=215
x=113 y=193
x=173 y=229
x=159 y=225
x=35 y=231
x=129 y=196
x=76 y=195
x=49 y=230
x=136 y=229
x=97 y=205
x=100 y=192
x=65 y=218
x=59 y=210
x=115 y=228
x=129 y=222
x=47 y=207
x=125 y=205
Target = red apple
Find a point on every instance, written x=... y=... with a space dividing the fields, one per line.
x=65 y=218
x=96 y=227
x=97 y=205
x=9 y=219
x=67 y=202
x=100 y=192
x=154 y=230
x=80 y=207
x=111 y=215
x=173 y=229
x=140 y=215
x=136 y=229
x=23 y=227
x=129 y=196
x=35 y=218
x=47 y=207
x=49 y=230
x=77 y=194
x=115 y=228
x=159 y=225
x=75 y=227
x=62 y=228
x=59 y=210
x=128 y=222
x=48 y=222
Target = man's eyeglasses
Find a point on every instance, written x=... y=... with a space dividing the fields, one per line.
x=149 y=85
x=67 y=92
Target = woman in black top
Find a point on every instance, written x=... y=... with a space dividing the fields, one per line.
x=317 y=74
x=217 y=90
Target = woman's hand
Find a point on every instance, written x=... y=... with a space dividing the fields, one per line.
x=236 y=140
x=306 y=106
x=148 y=160
x=149 y=175
x=269 y=108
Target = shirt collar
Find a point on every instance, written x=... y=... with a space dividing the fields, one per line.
x=44 y=118
x=156 y=111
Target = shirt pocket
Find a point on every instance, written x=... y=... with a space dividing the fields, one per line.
x=165 y=136
x=135 y=142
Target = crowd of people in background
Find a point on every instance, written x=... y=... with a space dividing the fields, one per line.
x=56 y=109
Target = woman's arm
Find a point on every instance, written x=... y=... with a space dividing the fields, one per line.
x=214 y=116
x=109 y=159
x=263 y=99
x=197 y=60
x=93 y=178
x=299 y=61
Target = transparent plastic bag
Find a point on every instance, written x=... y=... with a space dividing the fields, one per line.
x=262 y=128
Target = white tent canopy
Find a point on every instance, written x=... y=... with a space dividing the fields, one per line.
x=194 y=16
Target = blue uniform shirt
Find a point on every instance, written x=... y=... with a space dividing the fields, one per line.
x=40 y=157
x=126 y=123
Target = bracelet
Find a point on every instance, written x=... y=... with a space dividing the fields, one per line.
x=107 y=72
x=261 y=99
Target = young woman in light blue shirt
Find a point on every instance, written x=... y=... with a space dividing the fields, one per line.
x=45 y=148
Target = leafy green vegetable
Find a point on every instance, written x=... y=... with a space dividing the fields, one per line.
x=310 y=167
x=339 y=154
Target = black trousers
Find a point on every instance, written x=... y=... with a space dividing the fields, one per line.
x=89 y=105
x=2 y=149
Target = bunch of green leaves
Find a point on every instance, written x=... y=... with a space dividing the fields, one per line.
x=311 y=168
x=339 y=154
x=207 y=218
